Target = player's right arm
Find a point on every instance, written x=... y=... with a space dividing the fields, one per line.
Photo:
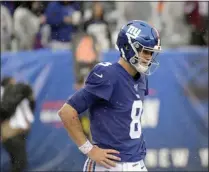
x=78 y=103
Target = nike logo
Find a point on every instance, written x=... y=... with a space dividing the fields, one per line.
x=101 y=75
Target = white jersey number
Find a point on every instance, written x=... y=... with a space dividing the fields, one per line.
x=105 y=64
x=135 y=125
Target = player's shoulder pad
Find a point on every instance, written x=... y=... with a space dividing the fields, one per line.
x=101 y=73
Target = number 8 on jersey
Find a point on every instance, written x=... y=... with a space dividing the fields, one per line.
x=135 y=126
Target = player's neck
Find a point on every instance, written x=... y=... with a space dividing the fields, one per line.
x=127 y=67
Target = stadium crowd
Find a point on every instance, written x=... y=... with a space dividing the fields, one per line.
x=34 y=24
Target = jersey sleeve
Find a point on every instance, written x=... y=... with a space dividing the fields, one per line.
x=82 y=100
x=99 y=82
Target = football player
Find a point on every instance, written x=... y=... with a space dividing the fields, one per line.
x=114 y=94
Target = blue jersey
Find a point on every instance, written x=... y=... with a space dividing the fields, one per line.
x=115 y=119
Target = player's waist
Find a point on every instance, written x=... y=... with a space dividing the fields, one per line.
x=127 y=155
x=125 y=145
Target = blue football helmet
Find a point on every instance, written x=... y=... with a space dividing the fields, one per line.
x=135 y=39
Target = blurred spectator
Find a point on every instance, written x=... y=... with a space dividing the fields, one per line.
x=10 y=5
x=6 y=29
x=37 y=7
x=86 y=55
x=98 y=27
x=17 y=106
x=108 y=7
x=196 y=14
x=26 y=25
x=43 y=36
x=62 y=18
x=170 y=22
x=140 y=11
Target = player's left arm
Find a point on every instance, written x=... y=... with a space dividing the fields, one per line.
x=69 y=114
x=97 y=87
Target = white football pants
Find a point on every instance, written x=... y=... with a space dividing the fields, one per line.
x=90 y=166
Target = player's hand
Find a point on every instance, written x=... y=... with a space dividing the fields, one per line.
x=104 y=157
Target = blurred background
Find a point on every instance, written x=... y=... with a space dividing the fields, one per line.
x=47 y=50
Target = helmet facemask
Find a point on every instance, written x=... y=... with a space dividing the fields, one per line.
x=138 y=61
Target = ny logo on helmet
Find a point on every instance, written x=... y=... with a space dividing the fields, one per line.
x=133 y=32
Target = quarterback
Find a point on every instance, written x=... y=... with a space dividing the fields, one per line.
x=114 y=94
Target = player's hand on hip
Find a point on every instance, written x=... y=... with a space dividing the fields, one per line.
x=104 y=157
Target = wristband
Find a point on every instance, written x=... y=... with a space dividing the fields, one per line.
x=86 y=147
